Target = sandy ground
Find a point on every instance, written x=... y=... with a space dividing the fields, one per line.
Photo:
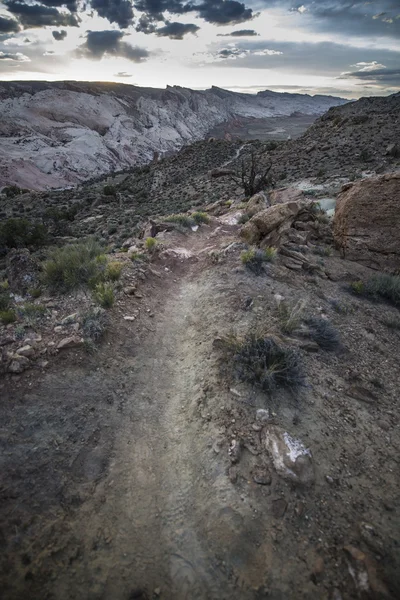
x=116 y=476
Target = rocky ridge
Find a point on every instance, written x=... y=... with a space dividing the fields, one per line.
x=62 y=133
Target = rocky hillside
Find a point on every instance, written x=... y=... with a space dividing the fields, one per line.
x=347 y=140
x=59 y=134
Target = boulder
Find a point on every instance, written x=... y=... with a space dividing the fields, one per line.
x=366 y=226
x=256 y=204
x=284 y=195
x=69 y=342
x=22 y=270
x=291 y=459
x=275 y=219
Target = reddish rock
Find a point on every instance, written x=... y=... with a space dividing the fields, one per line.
x=366 y=226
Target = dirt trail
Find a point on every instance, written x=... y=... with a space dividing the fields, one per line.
x=145 y=477
x=117 y=483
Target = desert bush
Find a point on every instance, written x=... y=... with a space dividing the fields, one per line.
x=31 y=310
x=392 y=322
x=323 y=332
x=17 y=233
x=5 y=299
x=113 y=271
x=7 y=316
x=200 y=217
x=290 y=316
x=35 y=292
x=379 y=287
x=94 y=324
x=138 y=257
x=180 y=219
x=150 y=244
x=103 y=294
x=72 y=266
x=254 y=259
x=262 y=362
x=109 y=190
x=322 y=251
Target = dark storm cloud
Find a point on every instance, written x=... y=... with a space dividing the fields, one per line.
x=222 y=12
x=146 y=25
x=8 y=25
x=154 y=9
x=59 y=35
x=35 y=15
x=239 y=33
x=218 y=12
x=101 y=43
x=356 y=18
x=70 y=4
x=376 y=76
x=176 y=31
x=115 y=11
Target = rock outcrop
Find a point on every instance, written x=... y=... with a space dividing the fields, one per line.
x=366 y=225
x=55 y=134
x=268 y=226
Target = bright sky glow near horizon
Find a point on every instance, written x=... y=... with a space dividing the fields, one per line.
x=337 y=47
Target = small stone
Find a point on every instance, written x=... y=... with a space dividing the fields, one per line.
x=262 y=415
x=329 y=479
x=157 y=591
x=130 y=290
x=279 y=507
x=262 y=476
x=70 y=319
x=128 y=318
x=19 y=364
x=58 y=328
x=309 y=346
x=26 y=351
x=256 y=427
x=233 y=474
x=69 y=342
x=234 y=451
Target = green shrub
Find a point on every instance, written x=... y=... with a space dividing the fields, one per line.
x=322 y=251
x=261 y=361
x=184 y=221
x=72 y=266
x=323 y=332
x=392 y=322
x=290 y=317
x=138 y=256
x=113 y=271
x=5 y=300
x=4 y=285
x=109 y=190
x=379 y=287
x=31 y=310
x=17 y=233
x=103 y=294
x=35 y=292
x=150 y=244
x=7 y=316
x=254 y=259
x=200 y=217
x=94 y=324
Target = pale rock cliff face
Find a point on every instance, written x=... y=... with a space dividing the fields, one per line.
x=59 y=134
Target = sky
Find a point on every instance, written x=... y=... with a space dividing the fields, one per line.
x=337 y=47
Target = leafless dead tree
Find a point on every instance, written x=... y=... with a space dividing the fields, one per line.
x=253 y=177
